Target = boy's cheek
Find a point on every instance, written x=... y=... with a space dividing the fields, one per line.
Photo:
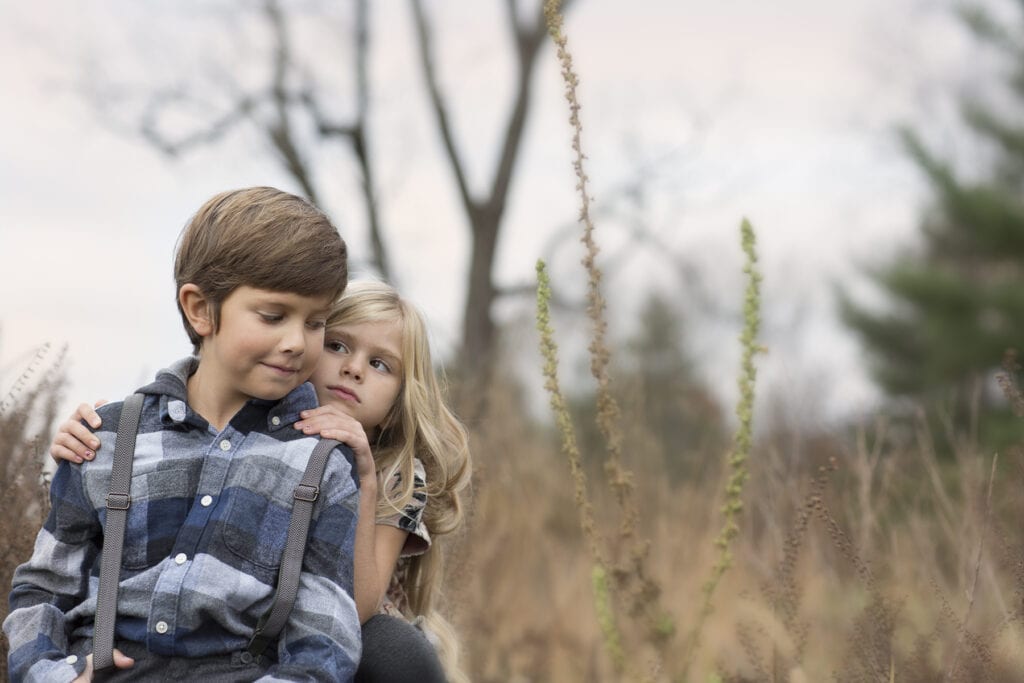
x=313 y=357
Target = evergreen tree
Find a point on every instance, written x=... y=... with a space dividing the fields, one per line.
x=958 y=303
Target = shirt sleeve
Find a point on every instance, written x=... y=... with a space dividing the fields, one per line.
x=322 y=639
x=52 y=582
x=410 y=518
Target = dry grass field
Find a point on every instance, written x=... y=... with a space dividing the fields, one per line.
x=866 y=558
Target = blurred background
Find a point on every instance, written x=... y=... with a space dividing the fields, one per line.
x=876 y=147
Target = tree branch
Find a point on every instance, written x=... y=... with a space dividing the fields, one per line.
x=528 y=43
x=280 y=130
x=425 y=43
x=359 y=142
x=149 y=125
x=355 y=134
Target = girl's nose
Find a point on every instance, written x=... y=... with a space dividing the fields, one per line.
x=351 y=369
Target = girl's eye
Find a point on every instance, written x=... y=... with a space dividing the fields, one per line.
x=380 y=365
x=335 y=346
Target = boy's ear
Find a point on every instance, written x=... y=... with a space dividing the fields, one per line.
x=197 y=309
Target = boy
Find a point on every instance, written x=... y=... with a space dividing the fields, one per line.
x=215 y=464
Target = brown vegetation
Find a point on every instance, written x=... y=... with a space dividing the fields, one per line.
x=868 y=560
x=27 y=414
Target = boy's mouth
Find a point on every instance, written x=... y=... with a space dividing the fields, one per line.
x=344 y=394
x=283 y=370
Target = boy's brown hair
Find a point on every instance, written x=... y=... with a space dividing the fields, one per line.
x=259 y=237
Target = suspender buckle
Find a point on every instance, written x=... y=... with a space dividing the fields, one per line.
x=307 y=493
x=118 y=501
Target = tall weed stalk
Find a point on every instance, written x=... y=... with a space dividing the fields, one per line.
x=549 y=351
x=631 y=587
x=742 y=441
x=634 y=589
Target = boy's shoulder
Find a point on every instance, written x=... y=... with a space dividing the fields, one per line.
x=163 y=405
x=287 y=408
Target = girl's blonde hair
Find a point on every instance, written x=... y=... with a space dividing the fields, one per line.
x=419 y=425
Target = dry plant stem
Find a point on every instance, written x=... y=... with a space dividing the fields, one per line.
x=977 y=570
x=608 y=413
x=549 y=351
x=926 y=447
x=733 y=505
x=865 y=465
x=23 y=378
x=630 y=574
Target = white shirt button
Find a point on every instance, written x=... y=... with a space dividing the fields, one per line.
x=71 y=659
x=180 y=558
x=225 y=445
x=205 y=501
x=177 y=410
x=161 y=627
x=275 y=420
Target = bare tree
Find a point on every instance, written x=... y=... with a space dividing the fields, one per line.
x=278 y=109
x=485 y=213
x=290 y=105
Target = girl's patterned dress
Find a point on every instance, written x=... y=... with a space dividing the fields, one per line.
x=410 y=519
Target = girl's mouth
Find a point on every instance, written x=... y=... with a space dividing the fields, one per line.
x=344 y=394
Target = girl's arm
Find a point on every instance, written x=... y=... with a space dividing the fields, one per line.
x=377 y=551
x=377 y=546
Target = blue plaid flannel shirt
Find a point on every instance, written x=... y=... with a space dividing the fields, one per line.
x=206 y=532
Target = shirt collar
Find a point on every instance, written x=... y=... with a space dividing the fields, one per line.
x=171 y=382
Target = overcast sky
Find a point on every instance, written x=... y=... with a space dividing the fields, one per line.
x=782 y=112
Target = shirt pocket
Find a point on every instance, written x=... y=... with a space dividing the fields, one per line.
x=256 y=523
x=160 y=501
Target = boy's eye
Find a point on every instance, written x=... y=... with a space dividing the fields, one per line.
x=271 y=317
x=316 y=324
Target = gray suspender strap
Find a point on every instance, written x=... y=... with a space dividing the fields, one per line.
x=118 y=501
x=306 y=493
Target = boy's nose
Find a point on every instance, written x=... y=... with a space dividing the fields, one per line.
x=294 y=339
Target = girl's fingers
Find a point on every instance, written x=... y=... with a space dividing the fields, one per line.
x=81 y=433
x=72 y=444
x=325 y=411
x=86 y=412
x=356 y=442
x=58 y=452
x=341 y=435
x=317 y=424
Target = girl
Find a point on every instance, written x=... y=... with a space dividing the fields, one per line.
x=377 y=385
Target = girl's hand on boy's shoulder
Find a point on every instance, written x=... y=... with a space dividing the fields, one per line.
x=331 y=423
x=73 y=440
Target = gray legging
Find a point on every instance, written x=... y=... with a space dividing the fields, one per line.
x=395 y=651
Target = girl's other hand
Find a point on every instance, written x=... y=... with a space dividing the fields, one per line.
x=331 y=423
x=73 y=440
x=121 y=661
